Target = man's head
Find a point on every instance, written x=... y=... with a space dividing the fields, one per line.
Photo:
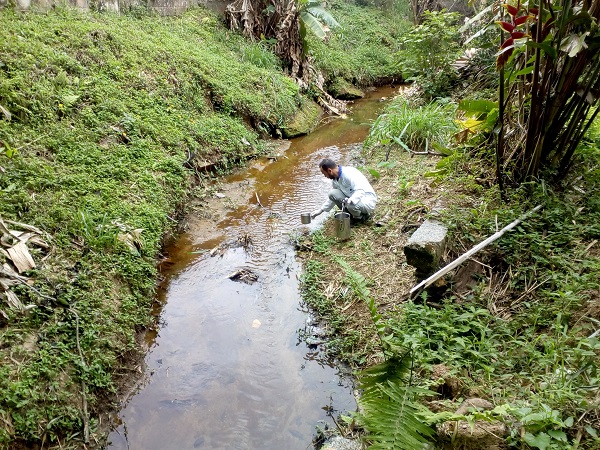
x=329 y=169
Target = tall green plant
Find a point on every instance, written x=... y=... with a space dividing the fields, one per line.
x=414 y=129
x=428 y=51
x=549 y=63
x=389 y=411
x=286 y=23
x=315 y=18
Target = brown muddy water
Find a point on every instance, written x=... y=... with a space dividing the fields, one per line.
x=227 y=368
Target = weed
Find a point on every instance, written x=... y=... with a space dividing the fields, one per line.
x=413 y=129
x=427 y=52
x=362 y=49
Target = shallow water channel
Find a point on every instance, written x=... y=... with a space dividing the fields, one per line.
x=227 y=368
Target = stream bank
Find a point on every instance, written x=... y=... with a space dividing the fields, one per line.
x=495 y=332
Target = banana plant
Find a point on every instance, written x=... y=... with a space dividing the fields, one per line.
x=284 y=21
x=315 y=18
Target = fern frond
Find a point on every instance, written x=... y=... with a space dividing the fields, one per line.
x=395 y=369
x=390 y=412
x=358 y=283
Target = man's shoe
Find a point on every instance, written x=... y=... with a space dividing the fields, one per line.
x=358 y=220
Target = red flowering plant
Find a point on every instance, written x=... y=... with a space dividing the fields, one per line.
x=517 y=30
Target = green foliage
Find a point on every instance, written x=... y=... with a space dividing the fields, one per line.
x=260 y=54
x=553 y=44
x=189 y=62
x=413 y=128
x=483 y=114
x=428 y=50
x=546 y=273
x=343 y=340
x=362 y=49
x=520 y=338
x=545 y=427
x=315 y=18
x=523 y=332
x=454 y=336
x=102 y=120
x=390 y=411
x=358 y=283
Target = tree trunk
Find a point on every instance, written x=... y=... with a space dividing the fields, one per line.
x=280 y=20
x=420 y=6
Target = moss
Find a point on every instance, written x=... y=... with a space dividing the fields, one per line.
x=343 y=90
x=304 y=121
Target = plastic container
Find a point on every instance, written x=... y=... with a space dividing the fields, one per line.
x=305 y=218
x=342 y=225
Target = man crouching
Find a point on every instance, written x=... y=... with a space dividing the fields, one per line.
x=350 y=189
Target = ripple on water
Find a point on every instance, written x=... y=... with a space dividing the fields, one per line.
x=231 y=374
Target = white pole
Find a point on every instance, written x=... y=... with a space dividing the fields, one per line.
x=459 y=260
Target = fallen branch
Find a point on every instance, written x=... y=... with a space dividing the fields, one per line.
x=423 y=284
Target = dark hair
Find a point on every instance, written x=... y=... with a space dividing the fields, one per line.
x=327 y=164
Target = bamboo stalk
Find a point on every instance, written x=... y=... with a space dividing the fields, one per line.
x=423 y=284
x=500 y=139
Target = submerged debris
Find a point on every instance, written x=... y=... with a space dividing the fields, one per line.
x=244 y=275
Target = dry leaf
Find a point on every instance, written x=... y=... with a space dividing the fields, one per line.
x=20 y=256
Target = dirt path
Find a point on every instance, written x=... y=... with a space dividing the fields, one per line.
x=375 y=250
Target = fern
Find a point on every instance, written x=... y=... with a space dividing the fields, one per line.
x=358 y=283
x=390 y=412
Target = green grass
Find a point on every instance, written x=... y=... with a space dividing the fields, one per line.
x=344 y=337
x=363 y=49
x=412 y=127
x=104 y=112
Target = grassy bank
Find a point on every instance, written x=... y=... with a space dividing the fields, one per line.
x=106 y=124
x=515 y=325
x=107 y=120
x=364 y=48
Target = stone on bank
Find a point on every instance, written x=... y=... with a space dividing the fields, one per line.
x=304 y=121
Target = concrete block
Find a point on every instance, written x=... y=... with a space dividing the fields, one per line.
x=426 y=246
x=170 y=7
x=23 y=4
x=109 y=6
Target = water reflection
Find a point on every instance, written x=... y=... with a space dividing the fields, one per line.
x=226 y=369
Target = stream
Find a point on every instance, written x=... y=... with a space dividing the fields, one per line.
x=226 y=367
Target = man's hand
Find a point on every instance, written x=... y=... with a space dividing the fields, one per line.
x=315 y=213
x=347 y=201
